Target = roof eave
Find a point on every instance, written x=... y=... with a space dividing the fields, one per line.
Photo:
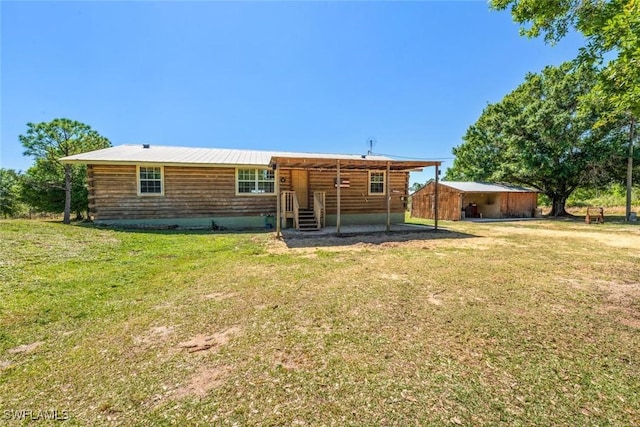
x=156 y=162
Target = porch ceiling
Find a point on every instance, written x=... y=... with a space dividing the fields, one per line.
x=366 y=164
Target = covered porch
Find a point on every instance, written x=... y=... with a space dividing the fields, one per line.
x=332 y=202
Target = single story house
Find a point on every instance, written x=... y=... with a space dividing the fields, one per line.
x=211 y=187
x=459 y=200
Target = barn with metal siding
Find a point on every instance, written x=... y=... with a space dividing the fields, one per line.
x=459 y=200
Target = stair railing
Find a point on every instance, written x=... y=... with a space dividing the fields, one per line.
x=289 y=206
x=319 y=210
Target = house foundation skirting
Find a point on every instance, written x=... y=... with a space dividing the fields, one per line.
x=246 y=222
x=365 y=219
x=214 y=223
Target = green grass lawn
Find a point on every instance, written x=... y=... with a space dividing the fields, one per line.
x=524 y=323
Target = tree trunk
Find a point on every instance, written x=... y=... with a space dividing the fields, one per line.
x=629 y=172
x=557 y=207
x=67 y=194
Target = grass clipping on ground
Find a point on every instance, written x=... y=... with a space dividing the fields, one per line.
x=507 y=323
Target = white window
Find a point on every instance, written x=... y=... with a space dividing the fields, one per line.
x=376 y=182
x=255 y=181
x=150 y=181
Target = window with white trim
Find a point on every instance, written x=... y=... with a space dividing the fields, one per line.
x=376 y=182
x=256 y=181
x=150 y=180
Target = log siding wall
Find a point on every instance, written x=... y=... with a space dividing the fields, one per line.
x=192 y=192
x=189 y=192
x=355 y=199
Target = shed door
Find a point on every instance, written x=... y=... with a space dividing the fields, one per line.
x=300 y=184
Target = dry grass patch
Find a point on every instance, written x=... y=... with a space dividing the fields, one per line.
x=154 y=336
x=202 y=342
x=219 y=296
x=25 y=348
x=205 y=380
x=501 y=327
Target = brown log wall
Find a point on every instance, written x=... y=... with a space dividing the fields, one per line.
x=191 y=192
x=356 y=199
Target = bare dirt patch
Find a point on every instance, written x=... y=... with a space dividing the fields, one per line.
x=155 y=335
x=25 y=348
x=291 y=361
x=203 y=342
x=609 y=238
x=364 y=241
x=391 y=276
x=619 y=299
x=4 y=364
x=165 y=306
x=218 y=296
x=433 y=299
x=203 y=381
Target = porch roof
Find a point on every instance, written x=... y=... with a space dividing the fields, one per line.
x=364 y=162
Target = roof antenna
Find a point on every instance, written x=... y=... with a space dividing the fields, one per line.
x=371 y=141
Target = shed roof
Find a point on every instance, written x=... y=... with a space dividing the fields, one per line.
x=485 y=187
x=167 y=155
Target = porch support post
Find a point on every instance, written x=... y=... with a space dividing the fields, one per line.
x=436 y=198
x=387 y=186
x=277 y=178
x=338 y=182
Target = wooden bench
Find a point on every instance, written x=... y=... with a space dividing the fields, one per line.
x=594 y=215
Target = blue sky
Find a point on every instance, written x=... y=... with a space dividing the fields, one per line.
x=287 y=76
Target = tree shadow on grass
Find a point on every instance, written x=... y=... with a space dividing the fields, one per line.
x=298 y=240
x=172 y=230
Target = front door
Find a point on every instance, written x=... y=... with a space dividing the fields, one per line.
x=300 y=184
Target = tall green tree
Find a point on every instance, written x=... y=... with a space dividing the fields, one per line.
x=9 y=192
x=50 y=183
x=415 y=187
x=612 y=30
x=541 y=136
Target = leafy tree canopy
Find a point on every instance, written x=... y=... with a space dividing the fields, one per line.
x=9 y=192
x=611 y=27
x=541 y=136
x=50 y=184
x=415 y=187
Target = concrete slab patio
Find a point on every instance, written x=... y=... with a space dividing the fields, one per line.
x=354 y=230
x=355 y=235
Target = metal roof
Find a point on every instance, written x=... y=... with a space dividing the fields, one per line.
x=136 y=154
x=129 y=154
x=485 y=187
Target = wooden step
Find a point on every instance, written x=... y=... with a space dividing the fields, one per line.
x=308 y=227
x=307 y=220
